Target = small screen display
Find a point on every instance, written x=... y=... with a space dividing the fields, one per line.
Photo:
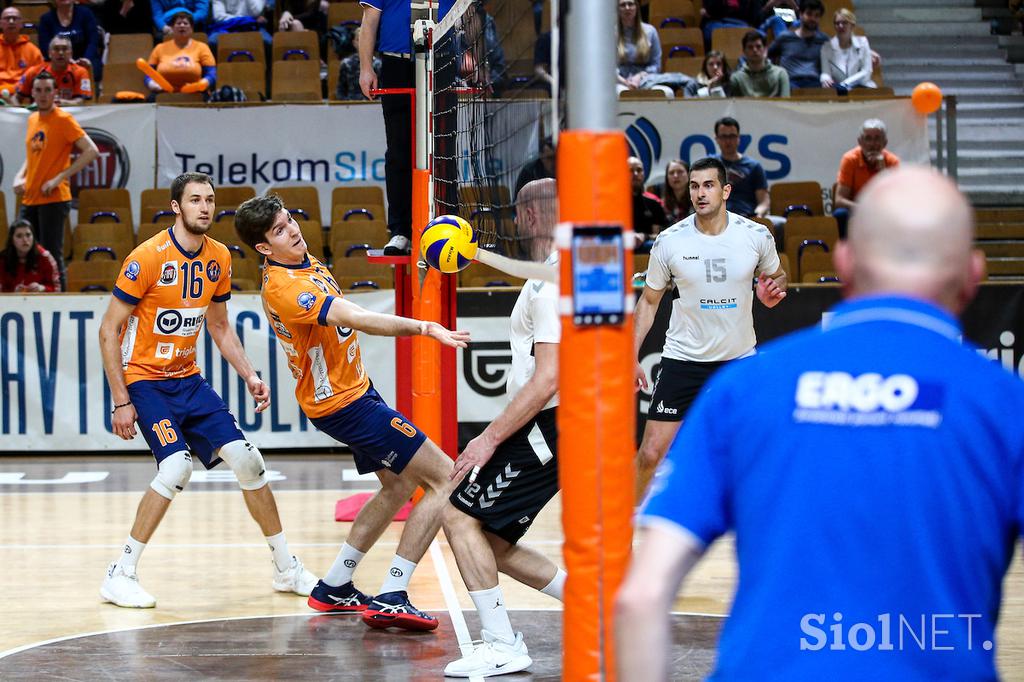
x=598 y=275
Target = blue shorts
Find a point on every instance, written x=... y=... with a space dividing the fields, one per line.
x=378 y=435
x=175 y=414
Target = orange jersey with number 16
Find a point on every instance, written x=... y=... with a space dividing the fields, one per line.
x=170 y=289
x=324 y=360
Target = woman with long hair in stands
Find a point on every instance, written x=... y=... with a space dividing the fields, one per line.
x=675 y=193
x=639 y=55
x=713 y=79
x=25 y=266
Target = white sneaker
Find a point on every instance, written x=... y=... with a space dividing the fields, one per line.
x=295 y=579
x=397 y=246
x=491 y=657
x=121 y=587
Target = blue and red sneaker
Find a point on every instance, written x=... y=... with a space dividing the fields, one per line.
x=343 y=599
x=393 y=609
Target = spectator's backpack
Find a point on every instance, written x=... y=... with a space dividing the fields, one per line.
x=228 y=93
x=341 y=39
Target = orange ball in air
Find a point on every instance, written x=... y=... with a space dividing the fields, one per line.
x=926 y=98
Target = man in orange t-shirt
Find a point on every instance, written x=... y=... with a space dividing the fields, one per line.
x=17 y=53
x=43 y=180
x=860 y=164
x=73 y=83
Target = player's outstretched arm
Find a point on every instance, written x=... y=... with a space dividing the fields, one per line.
x=122 y=422
x=518 y=268
x=523 y=407
x=230 y=346
x=643 y=317
x=643 y=634
x=345 y=313
x=771 y=289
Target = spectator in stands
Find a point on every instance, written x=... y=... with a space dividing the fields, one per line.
x=542 y=64
x=78 y=23
x=43 y=181
x=164 y=12
x=304 y=15
x=758 y=77
x=72 y=81
x=483 y=56
x=24 y=264
x=230 y=16
x=713 y=79
x=675 y=192
x=348 y=68
x=749 y=197
x=846 y=58
x=182 y=60
x=541 y=167
x=648 y=213
x=639 y=55
x=860 y=164
x=17 y=53
x=125 y=16
x=798 y=51
x=778 y=16
x=728 y=14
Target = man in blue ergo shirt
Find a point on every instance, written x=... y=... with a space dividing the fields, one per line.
x=872 y=471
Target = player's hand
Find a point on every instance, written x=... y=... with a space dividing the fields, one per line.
x=449 y=337
x=259 y=391
x=19 y=186
x=52 y=184
x=478 y=452
x=367 y=81
x=122 y=422
x=640 y=378
x=769 y=292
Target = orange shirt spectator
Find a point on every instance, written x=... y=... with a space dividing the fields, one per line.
x=858 y=166
x=17 y=52
x=855 y=170
x=182 y=60
x=73 y=82
x=48 y=144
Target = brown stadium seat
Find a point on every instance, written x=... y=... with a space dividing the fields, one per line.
x=240 y=48
x=296 y=81
x=92 y=275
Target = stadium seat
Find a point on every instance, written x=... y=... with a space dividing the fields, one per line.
x=815 y=260
x=98 y=274
x=346 y=234
x=125 y=48
x=31 y=12
x=368 y=195
x=808 y=234
x=674 y=36
x=346 y=212
x=333 y=70
x=729 y=41
x=674 y=13
x=313 y=233
x=813 y=93
x=358 y=273
x=249 y=77
x=784 y=264
x=296 y=81
x=147 y=230
x=303 y=198
x=789 y=197
x=102 y=240
x=819 y=277
x=118 y=77
x=105 y=205
x=691 y=66
x=232 y=196
x=244 y=268
x=298 y=45
x=241 y=47
x=338 y=12
x=1004 y=268
x=480 y=275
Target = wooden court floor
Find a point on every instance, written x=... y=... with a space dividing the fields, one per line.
x=62 y=520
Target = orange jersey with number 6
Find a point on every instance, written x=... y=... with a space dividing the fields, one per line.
x=324 y=360
x=170 y=289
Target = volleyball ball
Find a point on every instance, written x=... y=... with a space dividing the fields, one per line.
x=448 y=243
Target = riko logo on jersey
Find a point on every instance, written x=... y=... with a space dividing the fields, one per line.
x=179 y=321
x=869 y=399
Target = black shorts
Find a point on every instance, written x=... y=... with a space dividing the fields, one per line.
x=677 y=386
x=517 y=482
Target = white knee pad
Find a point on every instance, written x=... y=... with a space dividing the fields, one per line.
x=245 y=460
x=173 y=474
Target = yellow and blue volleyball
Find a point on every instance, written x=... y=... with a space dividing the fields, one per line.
x=448 y=243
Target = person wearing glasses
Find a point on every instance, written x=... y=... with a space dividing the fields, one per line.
x=846 y=58
x=749 y=197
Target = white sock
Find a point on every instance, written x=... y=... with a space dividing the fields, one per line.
x=398 y=576
x=344 y=566
x=556 y=587
x=493 y=615
x=130 y=554
x=279 y=550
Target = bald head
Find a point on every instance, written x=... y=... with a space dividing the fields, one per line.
x=912 y=234
x=536 y=215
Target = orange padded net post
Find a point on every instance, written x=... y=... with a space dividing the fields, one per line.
x=426 y=305
x=596 y=418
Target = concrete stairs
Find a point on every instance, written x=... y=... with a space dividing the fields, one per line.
x=950 y=43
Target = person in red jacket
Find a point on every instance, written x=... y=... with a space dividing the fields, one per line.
x=24 y=264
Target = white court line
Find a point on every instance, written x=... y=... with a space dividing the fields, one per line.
x=451 y=601
x=219 y=545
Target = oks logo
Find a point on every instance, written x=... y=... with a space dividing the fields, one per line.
x=109 y=171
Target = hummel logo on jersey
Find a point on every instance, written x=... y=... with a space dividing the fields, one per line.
x=689 y=258
x=665 y=410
